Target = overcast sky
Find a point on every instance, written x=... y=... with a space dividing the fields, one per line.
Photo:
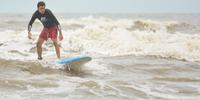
x=103 y=6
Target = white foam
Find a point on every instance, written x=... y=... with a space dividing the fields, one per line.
x=95 y=68
x=112 y=37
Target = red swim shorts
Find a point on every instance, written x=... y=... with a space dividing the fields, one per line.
x=50 y=32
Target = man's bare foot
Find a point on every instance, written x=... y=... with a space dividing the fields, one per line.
x=39 y=58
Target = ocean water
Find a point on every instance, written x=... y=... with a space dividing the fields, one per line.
x=135 y=57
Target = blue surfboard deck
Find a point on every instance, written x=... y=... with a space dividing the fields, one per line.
x=82 y=59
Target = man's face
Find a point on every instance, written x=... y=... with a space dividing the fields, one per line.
x=41 y=9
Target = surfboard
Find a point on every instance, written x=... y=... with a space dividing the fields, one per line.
x=75 y=61
x=81 y=59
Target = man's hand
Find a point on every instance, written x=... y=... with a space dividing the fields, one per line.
x=29 y=35
x=60 y=37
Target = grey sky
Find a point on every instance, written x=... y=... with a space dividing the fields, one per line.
x=103 y=6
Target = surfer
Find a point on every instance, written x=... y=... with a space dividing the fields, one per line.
x=50 y=30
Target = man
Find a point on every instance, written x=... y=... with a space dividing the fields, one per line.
x=51 y=26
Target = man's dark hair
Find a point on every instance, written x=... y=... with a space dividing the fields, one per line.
x=41 y=3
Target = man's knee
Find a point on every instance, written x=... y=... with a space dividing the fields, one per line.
x=55 y=43
x=39 y=43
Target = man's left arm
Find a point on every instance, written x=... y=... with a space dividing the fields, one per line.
x=58 y=25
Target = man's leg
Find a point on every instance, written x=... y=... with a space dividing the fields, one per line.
x=57 y=47
x=53 y=32
x=39 y=47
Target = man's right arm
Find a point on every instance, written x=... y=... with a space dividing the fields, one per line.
x=34 y=16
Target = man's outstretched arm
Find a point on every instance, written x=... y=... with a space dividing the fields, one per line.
x=30 y=25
